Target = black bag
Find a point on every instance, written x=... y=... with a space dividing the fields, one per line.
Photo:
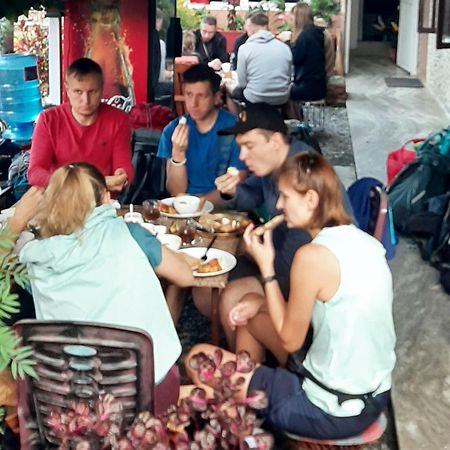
x=410 y=192
x=149 y=170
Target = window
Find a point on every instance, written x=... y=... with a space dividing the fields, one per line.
x=443 y=25
x=427 y=16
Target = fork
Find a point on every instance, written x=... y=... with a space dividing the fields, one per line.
x=211 y=242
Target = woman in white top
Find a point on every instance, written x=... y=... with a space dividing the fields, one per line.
x=342 y=286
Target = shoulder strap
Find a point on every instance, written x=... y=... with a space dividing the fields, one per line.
x=341 y=396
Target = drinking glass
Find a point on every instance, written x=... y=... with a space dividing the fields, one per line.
x=150 y=210
x=188 y=233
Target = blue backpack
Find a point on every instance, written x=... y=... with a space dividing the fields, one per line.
x=372 y=212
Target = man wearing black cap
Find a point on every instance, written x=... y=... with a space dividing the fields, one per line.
x=262 y=136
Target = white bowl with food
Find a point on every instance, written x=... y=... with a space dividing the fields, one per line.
x=171 y=241
x=186 y=204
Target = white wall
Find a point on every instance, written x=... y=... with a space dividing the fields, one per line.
x=354 y=12
x=438 y=70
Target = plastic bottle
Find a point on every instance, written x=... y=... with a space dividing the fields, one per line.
x=20 y=98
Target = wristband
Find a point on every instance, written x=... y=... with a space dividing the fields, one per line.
x=178 y=163
x=269 y=279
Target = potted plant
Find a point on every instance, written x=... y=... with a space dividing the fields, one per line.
x=15 y=361
x=198 y=422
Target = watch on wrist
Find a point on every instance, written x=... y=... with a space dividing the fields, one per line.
x=269 y=279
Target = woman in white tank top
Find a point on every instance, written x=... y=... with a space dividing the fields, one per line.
x=342 y=286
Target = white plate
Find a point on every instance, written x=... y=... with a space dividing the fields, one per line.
x=207 y=208
x=227 y=260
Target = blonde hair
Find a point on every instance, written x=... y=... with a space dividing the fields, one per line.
x=72 y=194
x=303 y=17
x=311 y=171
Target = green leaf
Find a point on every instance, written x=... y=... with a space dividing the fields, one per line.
x=14 y=369
x=30 y=371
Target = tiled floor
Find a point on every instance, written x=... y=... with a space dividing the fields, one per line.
x=381 y=119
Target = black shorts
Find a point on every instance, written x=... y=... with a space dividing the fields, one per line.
x=290 y=409
x=246 y=267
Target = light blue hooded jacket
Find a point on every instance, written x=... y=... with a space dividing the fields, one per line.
x=100 y=274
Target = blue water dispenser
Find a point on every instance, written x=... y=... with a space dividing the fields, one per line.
x=20 y=98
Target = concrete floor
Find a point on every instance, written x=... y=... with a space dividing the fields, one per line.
x=382 y=119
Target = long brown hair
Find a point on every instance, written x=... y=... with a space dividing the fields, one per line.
x=311 y=171
x=303 y=17
x=72 y=194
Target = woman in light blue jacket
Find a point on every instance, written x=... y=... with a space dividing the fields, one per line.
x=88 y=265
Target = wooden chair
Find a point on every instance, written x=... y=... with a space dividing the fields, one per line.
x=117 y=360
x=181 y=64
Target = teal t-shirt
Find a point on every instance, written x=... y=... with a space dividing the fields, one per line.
x=147 y=242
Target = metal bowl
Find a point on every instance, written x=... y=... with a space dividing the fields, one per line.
x=225 y=224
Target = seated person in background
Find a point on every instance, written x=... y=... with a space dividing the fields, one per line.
x=188 y=44
x=341 y=284
x=264 y=146
x=89 y=265
x=237 y=45
x=310 y=82
x=82 y=130
x=210 y=44
x=264 y=68
x=195 y=154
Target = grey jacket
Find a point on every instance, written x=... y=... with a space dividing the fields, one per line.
x=264 y=69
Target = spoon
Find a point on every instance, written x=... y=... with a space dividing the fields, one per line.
x=211 y=242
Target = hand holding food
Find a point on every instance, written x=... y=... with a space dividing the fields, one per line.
x=270 y=225
x=180 y=140
x=116 y=182
x=227 y=183
x=261 y=250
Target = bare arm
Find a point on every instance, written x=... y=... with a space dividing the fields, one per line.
x=25 y=210
x=177 y=181
x=174 y=268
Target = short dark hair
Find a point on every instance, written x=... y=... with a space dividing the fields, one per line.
x=202 y=72
x=210 y=20
x=259 y=19
x=84 y=66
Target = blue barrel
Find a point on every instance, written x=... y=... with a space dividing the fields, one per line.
x=20 y=98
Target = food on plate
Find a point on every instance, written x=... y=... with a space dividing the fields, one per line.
x=167 y=209
x=224 y=223
x=192 y=261
x=270 y=225
x=211 y=266
x=232 y=171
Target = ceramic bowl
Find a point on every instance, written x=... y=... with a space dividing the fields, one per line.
x=133 y=217
x=154 y=229
x=186 y=204
x=172 y=241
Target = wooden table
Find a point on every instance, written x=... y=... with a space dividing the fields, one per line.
x=216 y=283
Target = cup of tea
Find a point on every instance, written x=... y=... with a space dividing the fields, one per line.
x=150 y=210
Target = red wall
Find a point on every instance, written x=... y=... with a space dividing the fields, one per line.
x=83 y=32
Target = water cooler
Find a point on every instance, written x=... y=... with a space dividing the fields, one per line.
x=20 y=98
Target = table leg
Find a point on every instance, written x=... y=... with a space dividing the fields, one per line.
x=215 y=319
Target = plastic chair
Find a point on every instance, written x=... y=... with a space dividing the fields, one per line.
x=118 y=360
x=369 y=436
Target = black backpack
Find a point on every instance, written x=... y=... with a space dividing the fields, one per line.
x=410 y=193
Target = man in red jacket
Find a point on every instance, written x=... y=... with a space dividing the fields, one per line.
x=83 y=130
